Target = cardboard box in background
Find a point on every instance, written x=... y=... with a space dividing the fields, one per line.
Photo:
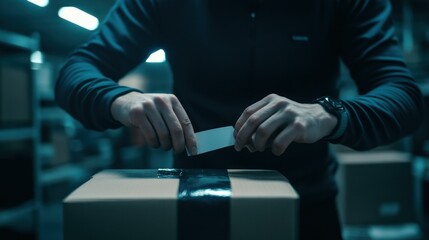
x=136 y=204
x=61 y=143
x=376 y=188
x=15 y=95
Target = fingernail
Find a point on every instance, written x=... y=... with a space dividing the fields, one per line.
x=194 y=151
x=237 y=148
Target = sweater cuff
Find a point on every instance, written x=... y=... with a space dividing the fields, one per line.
x=108 y=99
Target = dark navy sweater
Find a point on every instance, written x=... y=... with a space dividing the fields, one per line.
x=228 y=54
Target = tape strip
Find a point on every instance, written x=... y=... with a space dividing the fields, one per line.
x=203 y=203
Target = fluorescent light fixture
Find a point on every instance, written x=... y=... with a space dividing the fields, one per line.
x=40 y=3
x=37 y=57
x=78 y=17
x=157 y=57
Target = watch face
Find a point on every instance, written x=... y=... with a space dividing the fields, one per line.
x=338 y=105
x=335 y=103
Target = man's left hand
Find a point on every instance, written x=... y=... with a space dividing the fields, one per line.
x=276 y=122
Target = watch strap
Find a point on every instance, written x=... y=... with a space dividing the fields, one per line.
x=335 y=107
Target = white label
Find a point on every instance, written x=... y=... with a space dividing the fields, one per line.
x=214 y=139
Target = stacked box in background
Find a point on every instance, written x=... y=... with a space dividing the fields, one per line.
x=376 y=188
x=15 y=95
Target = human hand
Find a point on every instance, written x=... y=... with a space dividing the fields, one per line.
x=276 y=122
x=160 y=118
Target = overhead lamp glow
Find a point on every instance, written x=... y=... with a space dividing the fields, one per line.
x=40 y=3
x=157 y=57
x=78 y=17
x=37 y=57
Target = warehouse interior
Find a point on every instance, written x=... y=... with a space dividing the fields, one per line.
x=45 y=154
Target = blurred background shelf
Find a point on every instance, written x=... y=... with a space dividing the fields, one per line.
x=11 y=41
x=19 y=134
x=11 y=215
x=13 y=134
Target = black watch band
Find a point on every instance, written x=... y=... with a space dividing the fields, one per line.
x=335 y=107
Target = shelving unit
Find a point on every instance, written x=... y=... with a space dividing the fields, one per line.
x=60 y=164
x=13 y=134
x=12 y=44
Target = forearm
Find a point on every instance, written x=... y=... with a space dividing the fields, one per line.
x=87 y=95
x=383 y=115
x=87 y=86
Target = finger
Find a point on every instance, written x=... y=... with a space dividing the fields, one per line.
x=159 y=125
x=139 y=120
x=252 y=123
x=268 y=130
x=175 y=129
x=249 y=111
x=141 y=140
x=188 y=130
x=283 y=140
x=250 y=145
x=250 y=148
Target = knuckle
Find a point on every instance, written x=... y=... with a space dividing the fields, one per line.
x=280 y=104
x=161 y=100
x=262 y=132
x=147 y=105
x=136 y=111
x=247 y=112
x=289 y=111
x=238 y=124
x=253 y=121
x=172 y=97
x=299 y=125
x=177 y=131
x=272 y=95
x=186 y=122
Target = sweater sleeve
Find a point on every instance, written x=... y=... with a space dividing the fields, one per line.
x=87 y=83
x=390 y=103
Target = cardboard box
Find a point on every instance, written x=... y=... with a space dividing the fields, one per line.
x=142 y=204
x=375 y=188
x=15 y=95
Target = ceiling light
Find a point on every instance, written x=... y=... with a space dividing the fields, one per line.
x=78 y=17
x=157 y=57
x=40 y=3
x=37 y=57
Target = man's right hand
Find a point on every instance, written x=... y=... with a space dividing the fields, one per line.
x=161 y=119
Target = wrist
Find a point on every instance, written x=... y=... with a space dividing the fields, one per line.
x=328 y=121
x=118 y=107
x=335 y=108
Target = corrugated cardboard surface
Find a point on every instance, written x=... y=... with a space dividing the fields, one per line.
x=135 y=204
x=263 y=206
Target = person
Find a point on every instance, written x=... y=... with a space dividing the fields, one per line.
x=269 y=68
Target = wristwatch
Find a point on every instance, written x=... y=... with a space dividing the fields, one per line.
x=335 y=107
